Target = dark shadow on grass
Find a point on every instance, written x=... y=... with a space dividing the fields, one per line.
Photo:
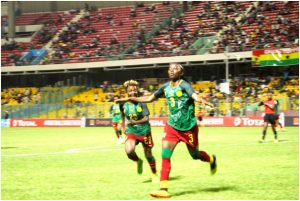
x=170 y=179
x=147 y=181
x=9 y=147
x=213 y=189
x=218 y=189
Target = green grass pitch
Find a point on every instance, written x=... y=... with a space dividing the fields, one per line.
x=87 y=164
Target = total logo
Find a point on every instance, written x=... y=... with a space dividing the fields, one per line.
x=245 y=121
x=156 y=122
x=17 y=123
x=237 y=121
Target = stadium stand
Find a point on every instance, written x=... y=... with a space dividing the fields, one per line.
x=94 y=102
x=180 y=37
x=154 y=30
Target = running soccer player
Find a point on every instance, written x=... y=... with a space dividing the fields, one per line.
x=269 y=117
x=116 y=120
x=277 y=114
x=181 y=125
x=137 y=129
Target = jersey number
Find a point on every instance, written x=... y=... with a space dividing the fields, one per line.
x=132 y=117
x=147 y=140
x=172 y=102
x=191 y=140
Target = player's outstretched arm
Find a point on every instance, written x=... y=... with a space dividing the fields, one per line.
x=143 y=99
x=122 y=100
x=201 y=100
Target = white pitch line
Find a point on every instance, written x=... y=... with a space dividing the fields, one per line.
x=71 y=151
x=116 y=147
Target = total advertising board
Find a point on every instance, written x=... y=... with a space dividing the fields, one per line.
x=47 y=122
x=254 y=121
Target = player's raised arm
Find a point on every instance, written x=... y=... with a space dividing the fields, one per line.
x=122 y=100
x=143 y=99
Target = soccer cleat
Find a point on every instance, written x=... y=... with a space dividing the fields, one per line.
x=276 y=141
x=261 y=141
x=282 y=130
x=140 y=166
x=213 y=165
x=121 y=140
x=160 y=194
x=154 y=178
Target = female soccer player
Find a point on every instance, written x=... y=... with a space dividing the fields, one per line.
x=137 y=129
x=117 y=120
x=181 y=125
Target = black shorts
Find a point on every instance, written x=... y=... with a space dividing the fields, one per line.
x=276 y=117
x=270 y=118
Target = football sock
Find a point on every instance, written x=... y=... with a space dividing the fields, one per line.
x=264 y=134
x=203 y=156
x=275 y=134
x=117 y=134
x=133 y=156
x=152 y=163
x=166 y=164
x=164 y=185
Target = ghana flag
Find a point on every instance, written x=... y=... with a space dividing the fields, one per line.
x=277 y=57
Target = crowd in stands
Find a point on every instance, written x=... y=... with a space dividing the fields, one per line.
x=267 y=25
x=16 y=96
x=12 y=51
x=245 y=93
x=102 y=34
x=95 y=36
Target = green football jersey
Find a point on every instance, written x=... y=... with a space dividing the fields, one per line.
x=180 y=103
x=136 y=111
x=115 y=112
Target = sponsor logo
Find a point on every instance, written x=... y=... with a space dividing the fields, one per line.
x=154 y=122
x=252 y=122
x=62 y=123
x=23 y=123
x=237 y=121
x=102 y=122
x=213 y=121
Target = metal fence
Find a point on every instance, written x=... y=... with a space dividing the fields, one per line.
x=223 y=107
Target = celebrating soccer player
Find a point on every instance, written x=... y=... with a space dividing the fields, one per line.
x=137 y=129
x=117 y=120
x=181 y=125
x=269 y=117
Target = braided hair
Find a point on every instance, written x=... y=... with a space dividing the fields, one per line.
x=130 y=83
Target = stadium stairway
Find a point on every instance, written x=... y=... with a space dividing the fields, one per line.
x=76 y=18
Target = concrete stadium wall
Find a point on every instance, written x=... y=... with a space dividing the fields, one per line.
x=130 y=64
